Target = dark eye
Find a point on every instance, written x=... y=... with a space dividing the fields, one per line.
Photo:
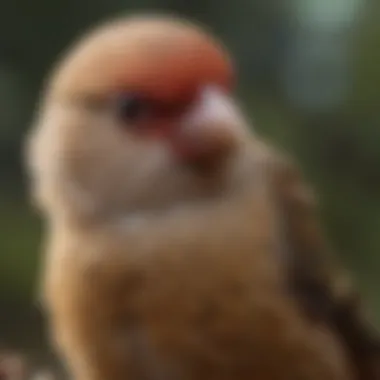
x=132 y=107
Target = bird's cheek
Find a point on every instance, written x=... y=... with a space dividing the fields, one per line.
x=159 y=131
x=152 y=129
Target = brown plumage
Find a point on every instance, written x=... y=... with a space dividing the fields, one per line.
x=179 y=246
x=323 y=289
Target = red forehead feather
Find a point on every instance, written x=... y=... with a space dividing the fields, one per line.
x=176 y=65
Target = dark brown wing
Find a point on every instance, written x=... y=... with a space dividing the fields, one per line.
x=324 y=291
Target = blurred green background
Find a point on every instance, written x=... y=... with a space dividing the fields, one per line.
x=309 y=77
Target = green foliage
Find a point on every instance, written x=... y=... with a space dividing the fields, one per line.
x=19 y=247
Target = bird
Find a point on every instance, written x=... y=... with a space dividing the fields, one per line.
x=179 y=244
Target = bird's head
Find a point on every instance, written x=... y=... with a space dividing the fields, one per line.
x=138 y=114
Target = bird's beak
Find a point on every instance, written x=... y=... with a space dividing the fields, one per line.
x=212 y=127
